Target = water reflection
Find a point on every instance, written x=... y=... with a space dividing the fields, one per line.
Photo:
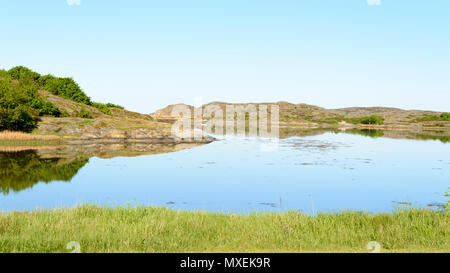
x=366 y=132
x=23 y=169
x=442 y=136
x=312 y=170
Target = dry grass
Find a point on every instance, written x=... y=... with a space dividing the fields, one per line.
x=19 y=136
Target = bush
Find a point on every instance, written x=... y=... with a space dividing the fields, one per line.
x=66 y=88
x=17 y=119
x=373 y=119
x=12 y=97
x=43 y=80
x=4 y=76
x=112 y=105
x=445 y=116
x=442 y=117
x=15 y=112
x=83 y=113
x=102 y=108
x=23 y=73
x=46 y=108
x=64 y=114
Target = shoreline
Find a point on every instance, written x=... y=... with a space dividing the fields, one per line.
x=89 y=141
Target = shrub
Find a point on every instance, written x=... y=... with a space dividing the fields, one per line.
x=64 y=114
x=445 y=116
x=102 y=108
x=17 y=119
x=66 y=88
x=15 y=112
x=47 y=108
x=4 y=76
x=112 y=105
x=12 y=97
x=83 y=113
x=23 y=73
x=373 y=119
x=427 y=117
x=44 y=80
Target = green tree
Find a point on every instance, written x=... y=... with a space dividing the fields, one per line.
x=17 y=119
x=11 y=97
x=373 y=119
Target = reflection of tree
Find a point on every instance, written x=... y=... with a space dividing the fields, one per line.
x=286 y=132
x=400 y=134
x=366 y=132
x=443 y=139
x=24 y=169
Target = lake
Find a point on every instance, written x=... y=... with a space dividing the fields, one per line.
x=319 y=173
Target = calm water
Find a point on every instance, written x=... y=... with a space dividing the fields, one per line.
x=327 y=172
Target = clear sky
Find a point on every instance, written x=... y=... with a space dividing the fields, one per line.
x=146 y=54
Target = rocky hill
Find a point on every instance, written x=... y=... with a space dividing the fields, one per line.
x=48 y=105
x=120 y=126
x=310 y=116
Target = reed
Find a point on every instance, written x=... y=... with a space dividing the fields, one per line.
x=19 y=136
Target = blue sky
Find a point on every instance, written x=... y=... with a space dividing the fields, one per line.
x=145 y=54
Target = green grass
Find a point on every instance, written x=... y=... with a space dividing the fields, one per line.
x=149 y=229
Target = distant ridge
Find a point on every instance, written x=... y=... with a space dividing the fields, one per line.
x=304 y=113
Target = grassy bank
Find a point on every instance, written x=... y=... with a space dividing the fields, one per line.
x=147 y=229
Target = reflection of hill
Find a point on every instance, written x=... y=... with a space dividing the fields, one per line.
x=443 y=136
x=23 y=169
x=106 y=150
x=286 y=132
x=419 y=135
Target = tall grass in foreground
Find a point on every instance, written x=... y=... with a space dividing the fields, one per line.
x=149 y=229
